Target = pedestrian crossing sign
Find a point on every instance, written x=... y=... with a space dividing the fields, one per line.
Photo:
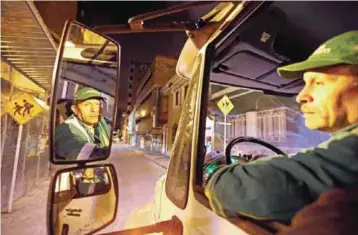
x=225 y=105
x=23 y=108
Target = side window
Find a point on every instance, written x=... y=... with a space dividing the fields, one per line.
x=63 y=182
x=177 y=182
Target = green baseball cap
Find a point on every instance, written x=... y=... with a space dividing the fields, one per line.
x=341 y=49
x=87 y=93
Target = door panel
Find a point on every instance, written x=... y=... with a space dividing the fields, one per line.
x=169 y=227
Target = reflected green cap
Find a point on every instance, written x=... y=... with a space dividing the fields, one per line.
x=341 y=49
x=87 y=93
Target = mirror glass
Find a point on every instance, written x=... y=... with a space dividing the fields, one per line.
x=84 y=99
x=83 y=200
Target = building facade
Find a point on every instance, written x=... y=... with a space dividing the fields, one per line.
x=173 y=96
x=282 y=127
x=137 y=72
x=150 y=114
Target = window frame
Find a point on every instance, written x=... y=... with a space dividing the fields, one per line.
x=249 y=225
x=179 y=171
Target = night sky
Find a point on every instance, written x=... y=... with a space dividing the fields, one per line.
x=117 y=12
x=140 y=47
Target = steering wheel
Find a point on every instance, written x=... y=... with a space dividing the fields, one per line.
x=214 y=164
x=250 y=140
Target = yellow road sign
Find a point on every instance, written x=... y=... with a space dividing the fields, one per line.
x=4 y=103
x=225 y=105
x=23 y=108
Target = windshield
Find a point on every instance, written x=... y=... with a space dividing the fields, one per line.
x=274 y=119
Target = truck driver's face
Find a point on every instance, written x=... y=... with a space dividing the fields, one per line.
x=89 y=173
x=88 y=111
x=329 y=99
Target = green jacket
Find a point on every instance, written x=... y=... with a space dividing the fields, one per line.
x=277 y=187
x=73 y=141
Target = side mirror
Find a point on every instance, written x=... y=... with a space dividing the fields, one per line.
x=82 y=200
x=85 y=96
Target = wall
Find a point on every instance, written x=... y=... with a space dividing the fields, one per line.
x=148 y=100
x=144 y=47
x=173 y=114
x=164 y=69
x=137 y=71
x=33 y=163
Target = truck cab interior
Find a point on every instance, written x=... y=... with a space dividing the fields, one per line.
x=281 y=33
x=244 y=68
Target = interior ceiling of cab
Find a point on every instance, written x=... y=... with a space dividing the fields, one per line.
x=282 y=33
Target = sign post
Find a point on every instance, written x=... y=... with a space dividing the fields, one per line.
x=14 y=170
x=22 y=109
x=225 y=107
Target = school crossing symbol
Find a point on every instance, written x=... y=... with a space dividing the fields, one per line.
x=225 y=105
x=23 y=108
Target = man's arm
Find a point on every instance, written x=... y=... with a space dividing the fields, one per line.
x=335 y=212
x=278 y=187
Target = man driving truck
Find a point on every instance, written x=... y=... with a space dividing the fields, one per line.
x=275 y=188
x=85 y=134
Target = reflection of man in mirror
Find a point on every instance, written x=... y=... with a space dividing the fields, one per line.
x=91 y=183
x=89 y=176
x=85 y=134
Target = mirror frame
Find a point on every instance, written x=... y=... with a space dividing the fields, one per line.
x=51 y=195
x=55 y=80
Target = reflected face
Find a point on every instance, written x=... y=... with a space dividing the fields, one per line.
x=89 y=173
x=329 y=99
x=88 y=111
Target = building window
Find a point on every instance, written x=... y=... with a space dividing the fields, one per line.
x=176 y=99
x=238 y=126
x=272 y=125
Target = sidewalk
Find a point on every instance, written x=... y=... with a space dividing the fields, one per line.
x=156 y=157
x=29 y=212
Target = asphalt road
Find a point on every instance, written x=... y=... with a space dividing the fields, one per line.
x=137 y=173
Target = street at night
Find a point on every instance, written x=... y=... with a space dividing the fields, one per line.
x=179 y=118
x=137 y=173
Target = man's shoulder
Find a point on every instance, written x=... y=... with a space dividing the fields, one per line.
x=68 y=127
x=105 y=120
x=355 y=130
x=63 y=127
x=351 y=129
